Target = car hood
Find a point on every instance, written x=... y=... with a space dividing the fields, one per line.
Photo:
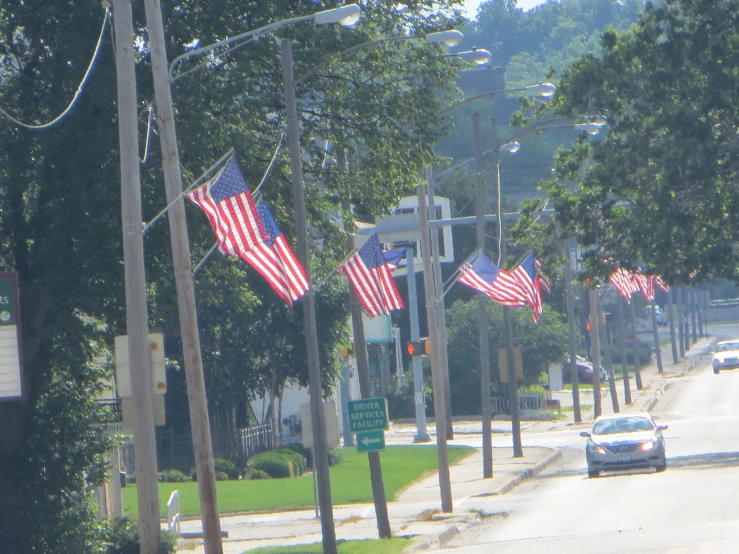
x=622 y=438
x=726 y=354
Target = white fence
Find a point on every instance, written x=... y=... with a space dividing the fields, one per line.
x=173 y=514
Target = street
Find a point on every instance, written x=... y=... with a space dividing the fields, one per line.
x=691 y=508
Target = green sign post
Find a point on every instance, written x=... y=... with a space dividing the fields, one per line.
x=369 y=414
x=371 y=441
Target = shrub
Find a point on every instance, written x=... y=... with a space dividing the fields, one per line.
x=257 y=474
x=273 y=464
x=131 y=478
x=172 y=476
x=227 y=467
x=334 y=456
x=123 y=538
x=222 y=476
x=298 y=460
x=302 y=450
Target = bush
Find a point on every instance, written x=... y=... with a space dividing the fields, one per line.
x=123 y=538
x=172 y=476
x=273 y=464
x=334 y=456
x=130 y=478
x=227 y=467
x=303 y=451
x=255 y=474
x=298 y=460
x=220 y=465
x=221 y=476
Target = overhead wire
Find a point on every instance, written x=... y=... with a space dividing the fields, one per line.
x=78 y=92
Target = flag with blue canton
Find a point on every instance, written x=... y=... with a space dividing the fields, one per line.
x=240 y=232
x=495 y=282
x=525 y=274
x=371 y=278
x=393 y=257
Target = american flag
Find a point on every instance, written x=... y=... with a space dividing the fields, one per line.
x=660 y=283
x=393 y=257
x=371 y=278
x=241 y=233
x=525 y=274
x=645 y=284
x=544 y=283
x=497 y=283
x=621 y=280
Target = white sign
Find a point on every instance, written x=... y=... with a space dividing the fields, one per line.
x=156 y=356
x=10 y=368
x=331 y=419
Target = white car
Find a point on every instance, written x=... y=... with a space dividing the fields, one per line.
x=726 y=355
x=659 y=315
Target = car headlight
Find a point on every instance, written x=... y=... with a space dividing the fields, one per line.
x=647 y=445
x=720 y=360
x=595 y=448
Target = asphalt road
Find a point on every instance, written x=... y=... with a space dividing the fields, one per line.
x=691 y=508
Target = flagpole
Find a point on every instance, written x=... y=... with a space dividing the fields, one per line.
x=207 y=255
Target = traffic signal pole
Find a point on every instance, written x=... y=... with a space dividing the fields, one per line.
x=422 y=434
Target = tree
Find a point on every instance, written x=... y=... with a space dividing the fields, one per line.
x=660 y=189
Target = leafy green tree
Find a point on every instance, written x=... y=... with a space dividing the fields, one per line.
x=660 y=188
x=541 y=345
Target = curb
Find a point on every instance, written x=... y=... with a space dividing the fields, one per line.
x=524 y=475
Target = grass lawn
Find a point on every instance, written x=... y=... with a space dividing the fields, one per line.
x=350 y=483
x=386 y=546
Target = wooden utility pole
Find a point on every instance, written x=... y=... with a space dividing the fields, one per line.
x=622 y=348
x=574 y=378
x=360 y=351
x=608 y=360
x=315 y=390
x=482 y=313
x=137 y=322
x=595 y=349
x=637 y=361
x=184 y=284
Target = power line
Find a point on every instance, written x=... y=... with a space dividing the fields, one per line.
x=78 y=92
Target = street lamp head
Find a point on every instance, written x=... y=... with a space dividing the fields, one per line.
x=346 y=16
x=544 y=90
x=476 y=55
x=591 y=128
x=511 y=147
x=599 y=120
x=447 y=38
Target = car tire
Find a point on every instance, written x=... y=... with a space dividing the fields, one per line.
x=715 y=371
x=593 y=473
x=660 y=469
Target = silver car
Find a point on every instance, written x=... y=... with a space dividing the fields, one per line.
x=625 y=441
x=725 y=355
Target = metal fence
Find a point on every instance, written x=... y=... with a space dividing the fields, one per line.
x=528 y=403
x=173 y=514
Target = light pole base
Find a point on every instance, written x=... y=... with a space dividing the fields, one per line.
x=422 y=438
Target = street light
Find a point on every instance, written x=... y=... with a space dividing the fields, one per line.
x=163 y=76
x=346 y=16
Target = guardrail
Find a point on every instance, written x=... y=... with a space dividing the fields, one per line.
x=528 y=403
x=173 y=514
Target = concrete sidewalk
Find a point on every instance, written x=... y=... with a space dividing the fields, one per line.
x=414 y=514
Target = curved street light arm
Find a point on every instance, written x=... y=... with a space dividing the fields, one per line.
x=243 y=36
x=491 y=95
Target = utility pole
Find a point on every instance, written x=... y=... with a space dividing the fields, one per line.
x=637 y=362
x=309 y=307
x=507 y=322
x=693 y=310
x=680 y=322
x=482 y=313
x=137 y=321
x=671 y=320
x=595 y=348
x=360 y=351
x=622 y=347
x=571 y=329
x=184 y=284
x=445 y=486
x=608 y=360
x=442 y=347
x=422 y=434
x=655 y=331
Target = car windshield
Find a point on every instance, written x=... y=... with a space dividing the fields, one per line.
x=724 y=346
x=622 y=425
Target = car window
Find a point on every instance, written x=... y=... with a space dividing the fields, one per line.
x=622 y=425
x=724 y=346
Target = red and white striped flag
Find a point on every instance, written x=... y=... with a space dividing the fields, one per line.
x=621 y=280
x=660 y=283
x=371 y=278
x=241 y=233
x=525 y=274
x=645 y=284
x=495 y=282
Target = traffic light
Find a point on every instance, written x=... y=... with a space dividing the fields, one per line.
x=419 y=348
x=347 y=351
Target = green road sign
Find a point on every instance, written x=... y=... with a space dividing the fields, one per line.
x=369 y=414
x=370 y=441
